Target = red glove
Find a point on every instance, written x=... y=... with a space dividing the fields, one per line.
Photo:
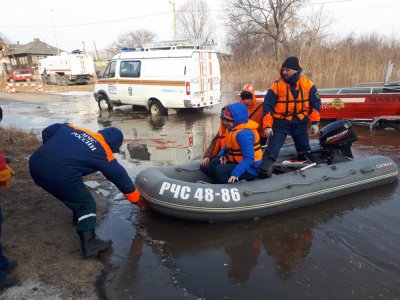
x=136 y=199
x=134 y=196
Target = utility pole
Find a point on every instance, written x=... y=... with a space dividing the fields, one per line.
x=54 y=30
x=95 y=49
x=174 y=14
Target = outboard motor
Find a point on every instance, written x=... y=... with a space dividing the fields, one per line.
x=337 y=138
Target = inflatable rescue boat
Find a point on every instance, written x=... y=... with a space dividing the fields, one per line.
x=184 y=191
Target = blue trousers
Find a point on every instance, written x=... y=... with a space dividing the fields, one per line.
x=4 y=263
x=297 y=129
x=221 y=173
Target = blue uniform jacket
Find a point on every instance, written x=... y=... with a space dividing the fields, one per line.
x=69 y=153
x=245 y=139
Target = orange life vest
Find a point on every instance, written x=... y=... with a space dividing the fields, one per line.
x=254 y=108
x=220 y=140
x=234 y=154
x=286 y=106
x=5 y=173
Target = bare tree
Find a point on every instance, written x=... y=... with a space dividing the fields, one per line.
x=305 y=33
x=264 y=19
x=3 y=43
x=194 y=21
x=131 y=39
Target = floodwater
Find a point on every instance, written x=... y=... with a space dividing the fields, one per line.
x=344 y=248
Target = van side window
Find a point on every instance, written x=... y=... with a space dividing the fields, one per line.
x=130 y=69
x=110 y=70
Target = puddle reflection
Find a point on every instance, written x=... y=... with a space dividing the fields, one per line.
x=162 y=140
x=236 y=259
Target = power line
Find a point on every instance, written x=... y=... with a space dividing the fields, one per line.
x=327 y=2
x=161 y=13
x=86 y=24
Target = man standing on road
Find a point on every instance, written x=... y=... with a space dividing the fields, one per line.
x=289 y=105
x=68 y=153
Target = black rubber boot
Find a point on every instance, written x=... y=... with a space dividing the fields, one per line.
x=91 y=245
x=266 y=169
x=9 y=281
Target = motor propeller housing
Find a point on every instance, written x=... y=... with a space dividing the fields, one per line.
x=338 y=135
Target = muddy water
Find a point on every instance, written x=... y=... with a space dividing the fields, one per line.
x=345 y=248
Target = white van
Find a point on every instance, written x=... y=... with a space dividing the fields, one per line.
x=177 y=75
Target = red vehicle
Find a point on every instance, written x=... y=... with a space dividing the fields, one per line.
x=20 y=75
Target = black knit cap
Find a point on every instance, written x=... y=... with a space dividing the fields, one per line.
x=292 y=62
x=246 y=95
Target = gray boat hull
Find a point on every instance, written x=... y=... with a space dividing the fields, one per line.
x=181 y=191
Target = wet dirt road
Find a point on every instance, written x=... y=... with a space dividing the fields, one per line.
x=345 y=248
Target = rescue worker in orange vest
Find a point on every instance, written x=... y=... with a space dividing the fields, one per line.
x=68 y=153
x=242 y=155
x=217 y=143
x=254 y=109
x=255 y=112
x=6 y=264
x=289 y=105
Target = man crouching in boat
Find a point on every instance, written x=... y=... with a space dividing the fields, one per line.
x=242 y=154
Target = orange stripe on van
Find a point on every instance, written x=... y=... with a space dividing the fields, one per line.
x=98 y=137
x=144 y=82
x=163 y=82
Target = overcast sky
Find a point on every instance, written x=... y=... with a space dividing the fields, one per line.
x=72 y=23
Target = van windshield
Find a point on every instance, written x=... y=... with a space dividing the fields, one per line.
x=110 y=70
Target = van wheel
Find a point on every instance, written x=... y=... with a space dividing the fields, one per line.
x=103 y=103
x=11 y=80
x=157 y=109
x=27 y=79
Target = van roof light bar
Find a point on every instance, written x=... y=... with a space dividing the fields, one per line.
x=133 y=49
x=175 y=44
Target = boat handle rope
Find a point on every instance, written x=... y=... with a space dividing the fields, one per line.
x=180 y=169
x=291 y=185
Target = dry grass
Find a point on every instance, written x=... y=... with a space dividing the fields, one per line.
x=17 y=141
x=346 y=62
